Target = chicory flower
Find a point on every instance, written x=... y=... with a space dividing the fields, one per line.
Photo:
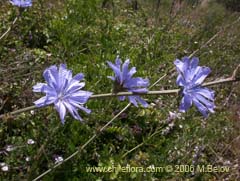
x=63 y=91
x=190 y=78
x=123 y=81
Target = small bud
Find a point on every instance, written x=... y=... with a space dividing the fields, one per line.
x=32 y=112
x=58 y=159
x=9 y=148
x=27 y=159
x=2 y=164
x=5 y=168
x=30 y=141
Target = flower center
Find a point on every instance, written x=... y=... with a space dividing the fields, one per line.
x=60 y=96
x=118 y=87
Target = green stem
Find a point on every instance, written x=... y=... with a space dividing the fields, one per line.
x=233 y=78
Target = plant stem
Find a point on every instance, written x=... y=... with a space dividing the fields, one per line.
x=19 y=111
x=233 y=78
x=162 y=92
x=92 y=138
x=10 y=27
x=83 y=146
x=174 y=91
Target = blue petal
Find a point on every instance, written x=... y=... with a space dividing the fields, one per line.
x=80 y=97
x=111 y=77
x=44 y=101
x=51 y=76
x=201 y=75
x=61 y=110
x=139 y=90
x=78 y=77
x=208 y=93
x=200 y=107
x=125 y=70
x=74 y=86
x=194 y=62
x=76 y=104
x=121 y=98
x=64 y=76
x=117 y=71
x=118 y=62
x=40 y=102
x=208 y=104
x=180 y=66
x=49 y=91
x=132 y=99
x=136 y=82
x=180 y=81
x=84 y=109
x=38 y=87
x=72 y=110
x=186 y=62
x=190 y=74
x=131 y=72
x=185 y=103
x=141 y=101
x=21 y=3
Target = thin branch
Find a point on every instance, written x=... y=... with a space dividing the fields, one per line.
x=102 y=129
x=83 y=146
x=174 y=91
x=9 y=29
x=214 y=36
x=92 y=138
x=18 y=111
x=141 y=144
x=136 y=147
x=162 y=92
x=204 y=45
x=234 y=77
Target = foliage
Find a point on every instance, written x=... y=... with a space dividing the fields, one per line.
x=233 y=5
x=84 y=35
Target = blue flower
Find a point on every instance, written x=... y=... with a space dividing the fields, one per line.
x=63 y=91
x=123 y=81
x=21 y=3
x=190 y=78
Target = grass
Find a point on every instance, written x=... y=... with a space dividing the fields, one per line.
x=84 y=35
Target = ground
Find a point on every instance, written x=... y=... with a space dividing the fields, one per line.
x=86 y=34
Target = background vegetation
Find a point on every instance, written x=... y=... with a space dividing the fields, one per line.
x=84 y=35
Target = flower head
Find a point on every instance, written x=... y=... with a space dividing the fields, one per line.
x=63 y=91
x=21 y=3
x=190 y=78
x=123 y=81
